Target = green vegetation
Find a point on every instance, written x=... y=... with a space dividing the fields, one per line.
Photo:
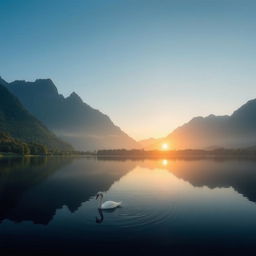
x=14 y=147
x=10 y=146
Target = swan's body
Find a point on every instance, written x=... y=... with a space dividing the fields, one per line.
x=108 y=204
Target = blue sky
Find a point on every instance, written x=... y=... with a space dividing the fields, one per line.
x=151 y=65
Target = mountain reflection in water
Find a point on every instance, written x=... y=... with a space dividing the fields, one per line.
x=174 y=206
x=34 y=188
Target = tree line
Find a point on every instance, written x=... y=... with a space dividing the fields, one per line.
x=10 y=145
x=220 y=152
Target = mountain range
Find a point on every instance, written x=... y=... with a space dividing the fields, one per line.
x=40 y=111
x=75 y=122
x=235 y=131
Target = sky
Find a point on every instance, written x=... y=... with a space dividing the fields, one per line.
x=151 y=65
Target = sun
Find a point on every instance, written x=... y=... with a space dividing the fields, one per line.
x=164 y=162
x=165 y=146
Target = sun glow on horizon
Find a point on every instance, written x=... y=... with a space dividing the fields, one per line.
x=165 y=146
x=165 y=162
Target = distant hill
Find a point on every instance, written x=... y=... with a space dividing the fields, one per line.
x=70 y=118
x=20 y=124
x=235 y=131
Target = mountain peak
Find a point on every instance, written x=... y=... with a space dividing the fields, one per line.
x=41 y=86
x=46 y=84
x=75 y=97
x=246 y=111
x=46 y=81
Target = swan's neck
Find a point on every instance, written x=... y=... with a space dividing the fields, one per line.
x=100 y=202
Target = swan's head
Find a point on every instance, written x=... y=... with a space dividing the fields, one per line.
x=99 y=194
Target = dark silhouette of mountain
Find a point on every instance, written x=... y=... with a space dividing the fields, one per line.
x=33 y=189
x=70 y=118
x=18 y=176
x=212 y=132
x=20 y=124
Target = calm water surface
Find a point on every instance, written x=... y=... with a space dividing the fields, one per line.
x=176 y=207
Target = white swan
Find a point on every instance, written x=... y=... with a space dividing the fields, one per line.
x=108 y=204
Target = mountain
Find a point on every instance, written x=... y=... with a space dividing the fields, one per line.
x=20 y=124
x=235 y=131
x=70 y=118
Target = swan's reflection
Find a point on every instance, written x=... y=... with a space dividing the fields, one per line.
x=100 y=211
x=100 y=220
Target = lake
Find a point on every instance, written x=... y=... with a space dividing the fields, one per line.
x=170 y=206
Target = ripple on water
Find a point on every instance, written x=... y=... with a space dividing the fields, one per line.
x=139 y=216
x=134 y=214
